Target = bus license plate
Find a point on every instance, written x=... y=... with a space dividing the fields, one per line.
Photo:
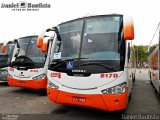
x=79 y=99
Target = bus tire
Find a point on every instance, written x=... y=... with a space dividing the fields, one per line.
x=129 y=97
x=133 y=78
x=151 y=82
x=150 y=76
x=150 y=79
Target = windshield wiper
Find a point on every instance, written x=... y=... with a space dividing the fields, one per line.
x=72 y=59
x=32 y=63
x=99 y=64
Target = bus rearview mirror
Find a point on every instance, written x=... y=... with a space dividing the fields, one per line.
x=128 y=28
x=3 y=49
x=44 y=47
x=40 y=42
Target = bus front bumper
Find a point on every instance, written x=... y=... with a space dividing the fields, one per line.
x=107 y=102
x=33 y=84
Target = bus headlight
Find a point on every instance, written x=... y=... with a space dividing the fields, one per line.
x=39 y=77
x=52 y=85
x=118 y=89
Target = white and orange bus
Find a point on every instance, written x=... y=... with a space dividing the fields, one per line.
x=28 y=64
x=154 y=58
x=91 y=62
x=5 y=59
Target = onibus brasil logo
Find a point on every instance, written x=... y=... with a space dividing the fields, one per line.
x=24 y=6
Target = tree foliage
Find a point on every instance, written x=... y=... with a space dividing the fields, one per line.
x=142 y=52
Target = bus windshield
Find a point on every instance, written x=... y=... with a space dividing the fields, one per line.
x=28 y=54
x=98 y=39
x=0 y=48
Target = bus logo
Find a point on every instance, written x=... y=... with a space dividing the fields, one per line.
x=33 y=70
x=70 y=65
x=56 y=74
x=11 y=69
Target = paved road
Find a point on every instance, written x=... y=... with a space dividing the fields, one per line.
x=34 y=104
x=142 y=74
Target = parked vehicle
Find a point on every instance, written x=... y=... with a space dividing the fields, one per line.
x=5 y=59
x=91 y=62
x=154 y=60
x=28 y=65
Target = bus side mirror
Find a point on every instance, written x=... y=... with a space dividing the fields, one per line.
x=40 y=39
x=44 y=47
x=128 y=28
x=39 y=42
x=16 y=41
x=3 y=49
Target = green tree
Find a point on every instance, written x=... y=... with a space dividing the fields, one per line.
x=141 y=53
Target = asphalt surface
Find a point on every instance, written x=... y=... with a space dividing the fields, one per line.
x=24 y=104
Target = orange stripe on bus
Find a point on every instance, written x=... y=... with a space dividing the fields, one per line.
x=108 y=102
x=33 y=84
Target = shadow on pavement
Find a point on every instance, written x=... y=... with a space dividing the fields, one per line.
x=3 y=83
x=85 y=113
x=41 y=92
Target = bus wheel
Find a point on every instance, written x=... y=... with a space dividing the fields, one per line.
x=150 y=79
x=133 y=77
x=150 y=76
x=130 y=96
x=151 y=82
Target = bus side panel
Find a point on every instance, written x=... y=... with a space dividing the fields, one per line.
x=130 y=63
x=154 y=58
x=155 y=71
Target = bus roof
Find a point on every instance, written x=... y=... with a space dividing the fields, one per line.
x=90 y=17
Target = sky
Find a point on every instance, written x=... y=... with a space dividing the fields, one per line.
x=15 y=24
